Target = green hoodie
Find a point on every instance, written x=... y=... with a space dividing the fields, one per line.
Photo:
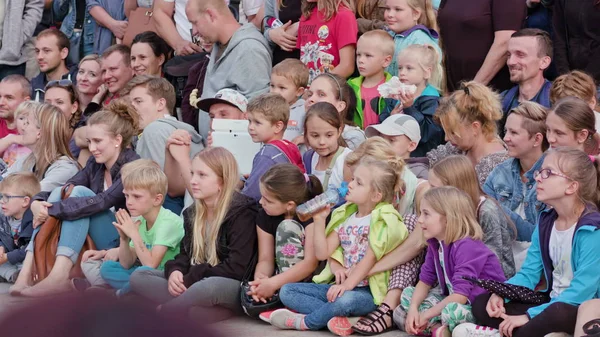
x=387 y=231
x=355 y=84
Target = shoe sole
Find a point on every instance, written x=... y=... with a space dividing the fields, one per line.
x=341 y=326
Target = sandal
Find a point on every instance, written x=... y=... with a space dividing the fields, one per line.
x=375 y=321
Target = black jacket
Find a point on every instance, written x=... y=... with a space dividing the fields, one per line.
x=16 y=252
x=577 y=36
x=236 y=248
x=92 y=177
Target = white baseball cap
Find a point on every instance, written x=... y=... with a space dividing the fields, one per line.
x=396 y=125
x=226 y=96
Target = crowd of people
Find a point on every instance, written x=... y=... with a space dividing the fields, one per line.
x=466 y=201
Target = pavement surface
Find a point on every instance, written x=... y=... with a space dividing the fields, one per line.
x=233 y=327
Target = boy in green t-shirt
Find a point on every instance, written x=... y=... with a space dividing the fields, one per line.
x=152 y=239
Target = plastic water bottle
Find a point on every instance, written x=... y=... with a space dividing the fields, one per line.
x=330 y=198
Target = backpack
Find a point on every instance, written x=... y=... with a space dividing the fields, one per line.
x=307 y=159
x=290 y=150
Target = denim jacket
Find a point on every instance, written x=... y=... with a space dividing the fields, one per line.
x=65 y=11
x=505 y=185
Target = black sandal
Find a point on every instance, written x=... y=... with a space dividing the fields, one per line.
x=375 y=321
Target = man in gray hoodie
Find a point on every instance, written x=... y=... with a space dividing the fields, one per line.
x=240 y=59
x=154 y=99
x=18 y=24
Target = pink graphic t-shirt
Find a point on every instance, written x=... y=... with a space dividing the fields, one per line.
x=371 y=98
x=320 y=42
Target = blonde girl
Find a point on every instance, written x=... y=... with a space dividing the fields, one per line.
x=454 y=251
x=418 y=64
x=323 y=132
x=12 y=145
x=469 y=117
x=359 y=234
x=411 y=22
x=404 y=261
x=89 y=81
x=335 y=90
x=218 y=246
x=564 y=253
x=327 y=36
x=46 y=133
x=498 y=231
x=285 y=244
x=571 y=123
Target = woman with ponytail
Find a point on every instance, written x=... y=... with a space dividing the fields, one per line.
x=98 y=192
x=285 y=243
x=572 y=123
x=218 y=246
x=469 y=117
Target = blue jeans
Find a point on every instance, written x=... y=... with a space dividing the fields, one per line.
x=311 y=299
x=116 y=276
x=74 y=232
x=173 y=204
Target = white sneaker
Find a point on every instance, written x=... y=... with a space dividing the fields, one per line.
x=473 y=330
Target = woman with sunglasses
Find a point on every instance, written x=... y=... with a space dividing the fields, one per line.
x=63 y=95
x=564 y=253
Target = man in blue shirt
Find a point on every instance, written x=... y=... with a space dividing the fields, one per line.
x=529 y=54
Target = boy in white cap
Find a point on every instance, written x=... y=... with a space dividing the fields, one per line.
x=403 y=133
x=227 y=104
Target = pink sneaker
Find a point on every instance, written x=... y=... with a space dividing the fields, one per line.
x=441 y=331
x=266 y=316
x=473 y=330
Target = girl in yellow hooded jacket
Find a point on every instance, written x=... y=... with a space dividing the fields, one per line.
x=359 y=234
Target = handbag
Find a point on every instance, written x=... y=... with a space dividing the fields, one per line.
x=45 y=245
x=140 y=20
x=251 y=307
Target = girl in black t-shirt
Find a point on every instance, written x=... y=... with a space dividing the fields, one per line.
x=285 y=247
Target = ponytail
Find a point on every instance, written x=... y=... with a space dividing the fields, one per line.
x=287 y=183
x=582 y=168
x=428 y=17
x=120 y=118
x=387 y=177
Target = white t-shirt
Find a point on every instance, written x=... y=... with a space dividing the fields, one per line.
x=337 y=172
x=561 y=247
x=182 y=23
x=597 y=115
x=249 y=8
x=354 y=239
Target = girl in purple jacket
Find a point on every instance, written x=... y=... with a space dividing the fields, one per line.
x=455 y=250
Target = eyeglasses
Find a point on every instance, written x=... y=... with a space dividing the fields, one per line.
x=547 y=173
x=62 y=83
x=4 y=198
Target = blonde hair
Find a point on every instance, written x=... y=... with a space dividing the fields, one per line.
x=385 y=42
x=474 y=102
x=428 y=57
x=428 y=17
x=387 y=176
x=24 y=183
x=580 y=168
x=120 y=118
x=456 y=207
x=25 y=108
x=91 y=57
x=378 y=149
x=576 y=83
x=144 y=174
x=534 y=119
x=294 y=70
x=272 y=106
x=55 y=134
x=458 y=171
x=327 y=8
x=204 y=245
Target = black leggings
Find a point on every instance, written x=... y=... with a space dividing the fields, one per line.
x=558 y=317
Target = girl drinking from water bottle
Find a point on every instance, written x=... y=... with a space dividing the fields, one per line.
x=360 y=233
x=286 y=251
